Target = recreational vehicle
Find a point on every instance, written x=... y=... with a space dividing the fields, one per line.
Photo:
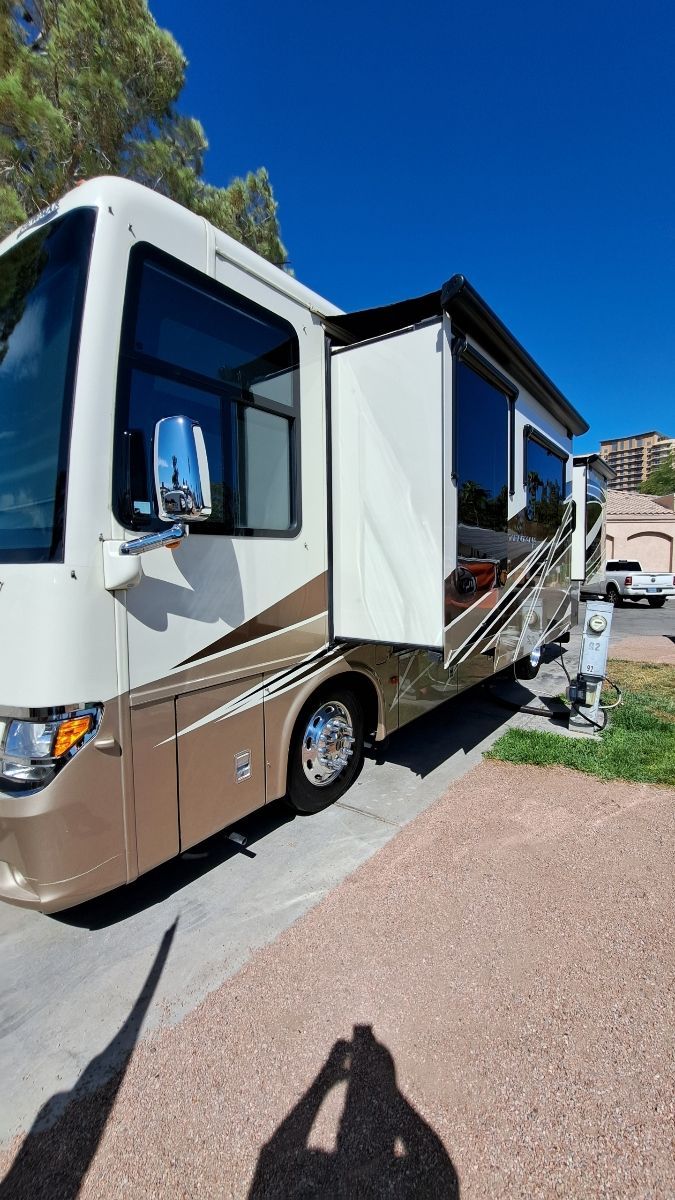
x=590 y=478
x=242 y=532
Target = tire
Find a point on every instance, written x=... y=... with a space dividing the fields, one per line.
x=312 y=784
x=528 y=668
x=614 y=596
x=656 y=601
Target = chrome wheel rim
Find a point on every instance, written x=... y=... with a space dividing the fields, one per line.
x=535 y=657
x=327 y=743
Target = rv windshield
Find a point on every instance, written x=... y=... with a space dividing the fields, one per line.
x=42 y=281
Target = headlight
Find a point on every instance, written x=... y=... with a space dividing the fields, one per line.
x=31 y=752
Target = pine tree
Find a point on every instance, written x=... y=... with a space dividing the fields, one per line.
x=89 y=87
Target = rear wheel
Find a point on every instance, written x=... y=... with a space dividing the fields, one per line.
x=326 y=751
x=528 y=668
x=614 y=596
x=656 y=601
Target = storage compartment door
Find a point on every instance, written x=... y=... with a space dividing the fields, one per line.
x=221 y=759
x=387 y=490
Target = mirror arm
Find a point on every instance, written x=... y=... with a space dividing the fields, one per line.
x=168 y=537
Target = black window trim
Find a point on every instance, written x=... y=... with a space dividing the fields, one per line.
x=532 y=434
x=131 y=360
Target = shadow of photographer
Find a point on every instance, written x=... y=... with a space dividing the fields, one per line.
x=383 y=1146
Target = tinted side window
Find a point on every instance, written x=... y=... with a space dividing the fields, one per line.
x=482 y=463
x=42 y=284
x=545 y=482
x=194 y=348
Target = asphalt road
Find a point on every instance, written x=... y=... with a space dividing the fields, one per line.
x=68 y=983
x=640 y=619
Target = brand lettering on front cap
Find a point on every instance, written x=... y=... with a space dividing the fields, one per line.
x=39 y=218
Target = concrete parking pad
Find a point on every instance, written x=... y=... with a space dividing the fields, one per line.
x=485 y=1006
x=69 y=982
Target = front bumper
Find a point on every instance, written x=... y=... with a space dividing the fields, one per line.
x=53 y=896
x=65 y=843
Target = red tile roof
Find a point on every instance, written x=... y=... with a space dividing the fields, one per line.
x=634 y=504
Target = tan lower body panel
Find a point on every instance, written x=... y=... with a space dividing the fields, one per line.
x=423 y=684
x=153 y=732
x=221 y=767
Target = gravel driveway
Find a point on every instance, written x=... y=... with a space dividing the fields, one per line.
x=484 y=1008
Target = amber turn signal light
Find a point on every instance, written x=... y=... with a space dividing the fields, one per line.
x=69 y=734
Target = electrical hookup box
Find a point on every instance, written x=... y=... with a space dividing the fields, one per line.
x=584 y=691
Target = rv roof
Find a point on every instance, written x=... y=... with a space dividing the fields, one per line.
x=114 y=193
x=473 y=317
x=457 y=297
x=596 y=463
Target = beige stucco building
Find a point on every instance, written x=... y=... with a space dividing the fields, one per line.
x=638 y=527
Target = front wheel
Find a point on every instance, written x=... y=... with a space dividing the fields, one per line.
x=656 y=601
x=326 y=751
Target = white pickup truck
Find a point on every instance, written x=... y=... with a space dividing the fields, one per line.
x=625 y=580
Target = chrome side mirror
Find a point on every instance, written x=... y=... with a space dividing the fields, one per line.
x=182 y=481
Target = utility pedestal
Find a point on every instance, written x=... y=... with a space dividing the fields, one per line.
x=584 y=691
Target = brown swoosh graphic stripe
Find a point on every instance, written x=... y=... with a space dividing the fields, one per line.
x=310 y=600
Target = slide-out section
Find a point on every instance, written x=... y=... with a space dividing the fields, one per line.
x=387 y=440
x=590 y=478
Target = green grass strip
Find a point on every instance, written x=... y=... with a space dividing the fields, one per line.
x=638 y=744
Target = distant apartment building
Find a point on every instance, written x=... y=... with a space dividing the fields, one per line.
x=635 y=457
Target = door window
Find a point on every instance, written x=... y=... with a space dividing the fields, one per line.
x=193 y=348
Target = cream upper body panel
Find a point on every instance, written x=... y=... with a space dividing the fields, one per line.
x=58 y=620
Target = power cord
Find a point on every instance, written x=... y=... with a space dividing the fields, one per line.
x=537 y=711
x=617 y=689
x=562 y=662
x=594 y=724
x=525 y=708
x=605 y=707
x=575 y=707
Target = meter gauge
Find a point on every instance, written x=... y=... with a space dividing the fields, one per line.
x=597 y=623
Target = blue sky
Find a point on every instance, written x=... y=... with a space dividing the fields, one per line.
x=529 y=146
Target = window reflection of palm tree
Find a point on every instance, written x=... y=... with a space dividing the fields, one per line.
x=383 y=1146
x=20 y=275
x=472 y=500
x=479 y=508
